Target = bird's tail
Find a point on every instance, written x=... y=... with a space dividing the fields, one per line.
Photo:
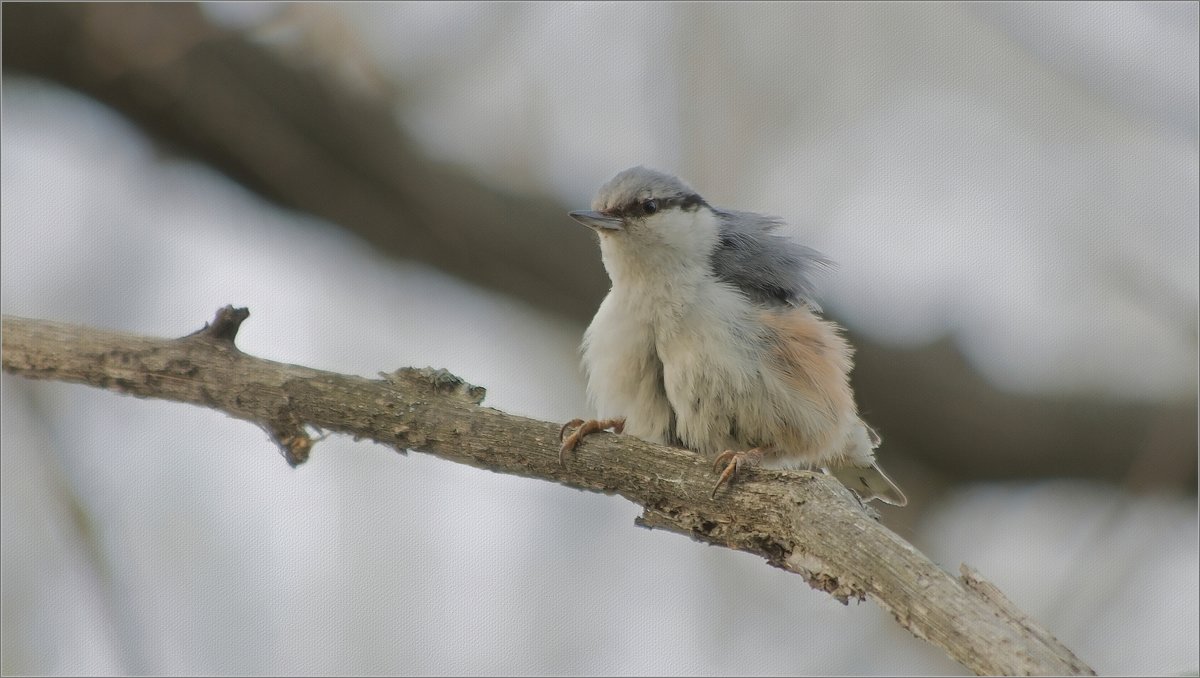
x=869 y=482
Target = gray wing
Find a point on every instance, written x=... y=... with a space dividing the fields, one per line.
x=768 y=268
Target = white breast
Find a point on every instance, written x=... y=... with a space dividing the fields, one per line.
x=623 y=369
x=712 y=373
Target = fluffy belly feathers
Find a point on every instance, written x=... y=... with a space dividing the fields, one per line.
x=784 y=388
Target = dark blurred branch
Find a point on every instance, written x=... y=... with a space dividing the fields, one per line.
x=803 y=523
x=967 y=428
x=304 y=140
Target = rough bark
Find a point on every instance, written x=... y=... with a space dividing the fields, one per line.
x=801 y=522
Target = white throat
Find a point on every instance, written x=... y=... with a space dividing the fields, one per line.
x=670 y=246
x=661 y=267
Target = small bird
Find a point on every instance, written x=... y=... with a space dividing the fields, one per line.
x=710 y=338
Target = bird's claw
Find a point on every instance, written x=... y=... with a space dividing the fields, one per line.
x=728 y=463
x=562 y=432
x=587 y=427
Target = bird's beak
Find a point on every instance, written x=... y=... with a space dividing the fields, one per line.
x=597 y=220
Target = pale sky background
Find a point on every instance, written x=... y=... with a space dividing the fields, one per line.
x=1019 y=176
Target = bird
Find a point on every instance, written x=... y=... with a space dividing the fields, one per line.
x=710 y=338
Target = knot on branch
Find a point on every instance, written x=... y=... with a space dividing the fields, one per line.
x=440 y=380
x=287 y=432
x=225 y=325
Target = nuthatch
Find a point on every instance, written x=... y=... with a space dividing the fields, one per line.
x=710 y=339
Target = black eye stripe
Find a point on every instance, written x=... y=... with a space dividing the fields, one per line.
x=688 y=203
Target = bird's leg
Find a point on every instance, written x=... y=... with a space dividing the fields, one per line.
x=585 y=428
x=728 y=463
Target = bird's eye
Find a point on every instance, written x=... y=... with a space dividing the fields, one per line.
x=650 y=206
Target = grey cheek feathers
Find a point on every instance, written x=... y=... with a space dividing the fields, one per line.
x=768 y=268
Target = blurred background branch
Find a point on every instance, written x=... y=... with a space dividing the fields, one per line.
x=312 y=142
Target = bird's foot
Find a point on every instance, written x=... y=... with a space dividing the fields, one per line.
x=585 y=427
x=728 y=463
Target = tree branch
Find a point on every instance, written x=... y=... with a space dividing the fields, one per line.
x=801 y=522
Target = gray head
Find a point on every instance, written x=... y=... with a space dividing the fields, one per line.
x=636 y=193
x=654 y=218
